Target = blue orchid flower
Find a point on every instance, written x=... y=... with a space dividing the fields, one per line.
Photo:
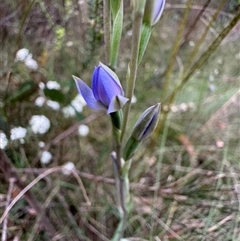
x=106 y=93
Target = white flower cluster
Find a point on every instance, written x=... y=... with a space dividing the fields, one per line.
x=3 y=140
x=25 y=56
x=68 y=168
x=41 y=100
x=46 y=157
x=40 y=124
x=77 y=104
x=18 y=133
x=83 y=130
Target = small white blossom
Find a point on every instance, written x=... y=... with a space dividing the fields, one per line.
x=31 y=63
x=211 y=87
x=41 y=144
x=41 y=85
x=129 y=33
x=53 y=104
x=83 y=130
x=46 y=157
x=69 y=44
x=134 y=99
x=39 y=101
x=183 y=107
x=68 y=168
x=174 y=108
x=53 y=85
x=80 y=2
x=22 y=54
x=191 y=43
x=40 y=124
x=220 y=144
x=78 y=103
x=3 y=140
x=18 y=133
x=216 y=71
x=68 y=111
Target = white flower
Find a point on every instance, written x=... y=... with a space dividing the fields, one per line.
x=41 y=85
x=78 y=103
x=31 y=63
x=83 y=130
x=183 y=107
x=39 y=101
x=211 y=87
x=174 y=108
x=3 y=141
x=53 y=104
x=18 y=133
x=68 y=111
x=216 y=71
x=22 y=54
x=46 y=157
x=53 y=85
x=134 y=99
x=191 y=43
x=69 y=44
x=41 y=144
x=40 y=124
x=68 y=168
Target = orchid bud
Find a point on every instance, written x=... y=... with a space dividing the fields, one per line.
x=143 y=128
x=153 y=11
x=106 y=93
x=146 y=123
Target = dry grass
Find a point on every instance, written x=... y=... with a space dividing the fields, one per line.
x=185 y=187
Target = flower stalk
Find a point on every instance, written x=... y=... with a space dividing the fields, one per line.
x=131 y=75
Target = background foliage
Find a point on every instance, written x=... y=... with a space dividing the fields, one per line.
x=185 y=180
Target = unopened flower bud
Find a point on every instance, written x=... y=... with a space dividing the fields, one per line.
x=153 y=11
x=146 y=123
x=143 y=128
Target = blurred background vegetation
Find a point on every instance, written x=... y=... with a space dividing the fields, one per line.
x=185 y=179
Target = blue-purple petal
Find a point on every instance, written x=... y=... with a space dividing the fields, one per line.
x=105 y=87
x=87 y=94
x=158 y=9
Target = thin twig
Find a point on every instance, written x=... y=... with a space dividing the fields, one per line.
x=10 y=188
x=10 y=172
x=81 y=187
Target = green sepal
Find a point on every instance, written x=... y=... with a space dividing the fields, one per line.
x=116 y=118
x=130 y=148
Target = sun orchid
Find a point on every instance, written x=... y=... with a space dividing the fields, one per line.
x=106 y=93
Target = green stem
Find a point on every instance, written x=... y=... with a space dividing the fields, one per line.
x=122 y=195
x=137 y=23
